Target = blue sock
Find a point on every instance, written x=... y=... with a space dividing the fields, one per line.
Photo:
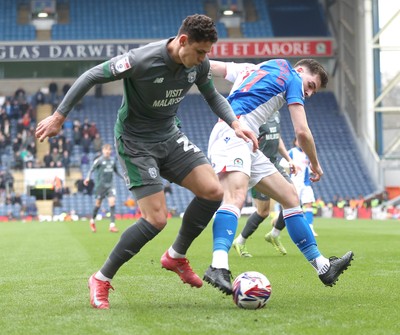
x=309 y=216
x=300 y=232
x=224 y=227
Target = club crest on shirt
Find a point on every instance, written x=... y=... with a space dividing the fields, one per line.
x=192 y=77
x=153 y=172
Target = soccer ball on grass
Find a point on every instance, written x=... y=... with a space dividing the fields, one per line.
x=251 y=290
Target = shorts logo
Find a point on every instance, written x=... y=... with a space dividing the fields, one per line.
x=123 y=64
x=238 y=162
x=227 y=139
x=192 y=77
x=153 y=172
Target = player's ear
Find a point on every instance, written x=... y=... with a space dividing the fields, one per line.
x=183 y=40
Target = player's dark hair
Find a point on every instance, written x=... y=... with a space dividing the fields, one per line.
x=199 y=28
x=315 y=68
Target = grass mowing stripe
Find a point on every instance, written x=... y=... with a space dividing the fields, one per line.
x=45 y=267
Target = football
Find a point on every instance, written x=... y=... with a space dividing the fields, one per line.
x=251 y=290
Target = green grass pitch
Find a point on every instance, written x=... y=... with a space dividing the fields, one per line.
x=45 y=267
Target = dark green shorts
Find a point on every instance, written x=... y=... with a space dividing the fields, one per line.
x=104 y=192
x=146 y=164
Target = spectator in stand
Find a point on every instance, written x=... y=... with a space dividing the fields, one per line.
x=3 y=119
x=93 y=131
x=66 y=88
x=8 y=108
x=40 y=98
x=58 y=187
x=60 y=145
x=85 y=130
x=66 y=162
x=20 y=95
x=85 y=159
x=86 y=142
x=32 y=148
x=69 y=146
x=17 y=142
x=8 y=179
x=53 y=89
x=97 y=143
x=55 y=155
x=25 y=121
x=47 y=159
x=85 y=124
x=29 y=135
x=77 y=134
x=27 y=158
x=4 y=143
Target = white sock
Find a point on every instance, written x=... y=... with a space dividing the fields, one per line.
x=321 y=264
x=112 y=224
x=220 y=259
x=101 y=277
x=173 y=254
x=240 y=239
x=275 y=232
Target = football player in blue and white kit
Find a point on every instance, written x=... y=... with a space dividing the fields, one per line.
x=258 y=93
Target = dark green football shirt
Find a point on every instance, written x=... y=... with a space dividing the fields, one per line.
x=104 y=169
x=154 y=86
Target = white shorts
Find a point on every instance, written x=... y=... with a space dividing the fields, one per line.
x=227 y=153
x=306 y=194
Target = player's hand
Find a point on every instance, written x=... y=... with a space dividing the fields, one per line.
x=317 y=173
x=293 y=168
x=50 y=126
x=86 y=182
x=245 y=134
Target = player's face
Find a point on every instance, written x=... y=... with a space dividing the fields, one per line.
x=192 y=54
x=311 y=83
x=106 y=152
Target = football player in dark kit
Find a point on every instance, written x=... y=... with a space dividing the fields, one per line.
x=104 y=167
x=156 y=78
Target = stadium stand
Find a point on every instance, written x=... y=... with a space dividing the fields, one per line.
x=335 y=143
x=337 y=148
x=10 y=30
x=126 y=24
x=307 y=16
x=261 y=27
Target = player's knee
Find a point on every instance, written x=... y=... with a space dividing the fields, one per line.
x=264 y=213
x=213 y=192
x=157 y=220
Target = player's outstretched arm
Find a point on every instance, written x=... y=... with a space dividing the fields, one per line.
x=305 y=139
x=50 y=126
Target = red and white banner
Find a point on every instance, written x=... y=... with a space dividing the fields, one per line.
x=224 y=48
x=272 y=48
